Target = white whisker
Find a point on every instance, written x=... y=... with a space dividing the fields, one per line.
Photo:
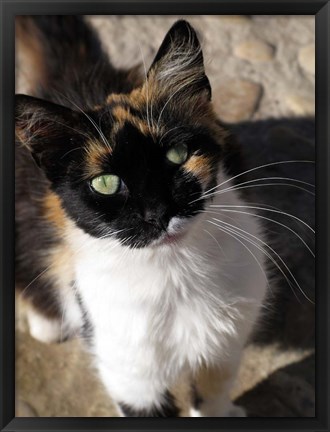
x=273 y=251
x=238 y=186
x=185 y=84
x=73 y=254
x=69 y=127
x=216 y=241
x=224 y=206
x=167 y=132
x=262 y=185
x=276 y=222
x=256 y=168
x=91 y=120
x=147 y=87
x=237 y=237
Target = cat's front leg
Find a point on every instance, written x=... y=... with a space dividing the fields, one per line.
x=211 y=393
x=164 y=406
x=60 y=322
x=137 y=396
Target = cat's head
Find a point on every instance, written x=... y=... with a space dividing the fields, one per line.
x=136 y=167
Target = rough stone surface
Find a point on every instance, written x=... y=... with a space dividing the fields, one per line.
x=298 y=398
x=23 y=409
x=58 y=380
x=235 y=19
x=274 y=380
x=236 y=100
x=254 y=50
x=307 y=58
x=300 y=104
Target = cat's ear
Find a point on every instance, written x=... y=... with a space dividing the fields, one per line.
x=179 y=63
x=47 y=130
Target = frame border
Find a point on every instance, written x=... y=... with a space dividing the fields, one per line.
x=8 y=10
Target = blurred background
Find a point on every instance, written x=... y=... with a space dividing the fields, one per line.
x=262 y=73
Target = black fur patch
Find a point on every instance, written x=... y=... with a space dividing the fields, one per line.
x=77 y=71
x=168 y=409
x=87 y=331
x=34 y=237
x=197 y=400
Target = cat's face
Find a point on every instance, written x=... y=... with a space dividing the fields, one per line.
x=136 y=168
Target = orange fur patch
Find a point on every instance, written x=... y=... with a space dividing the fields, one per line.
x=138 y=97
x=61 y=266
x=96 y=155
x=123 y=115
x=200 y=167
x=53 y=211
x=59 y=260
x=115 y=98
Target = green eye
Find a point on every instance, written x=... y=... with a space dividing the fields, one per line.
x=106 y=184
x=177 y=154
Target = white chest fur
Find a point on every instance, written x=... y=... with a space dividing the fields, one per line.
x=156 y=310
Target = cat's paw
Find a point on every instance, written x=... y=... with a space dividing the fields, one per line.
x=44 y=329
x=193 y=412
x=50 y=330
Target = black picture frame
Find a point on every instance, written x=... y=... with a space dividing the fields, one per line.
x=8 y=10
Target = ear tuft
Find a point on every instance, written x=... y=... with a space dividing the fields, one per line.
x=179 y=63
x=181 y=34
x=25 y=119
x=36 y=119
x=46 y=130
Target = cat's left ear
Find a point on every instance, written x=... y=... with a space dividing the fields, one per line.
x=179 y=63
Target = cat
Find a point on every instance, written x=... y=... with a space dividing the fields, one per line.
x=115 y=238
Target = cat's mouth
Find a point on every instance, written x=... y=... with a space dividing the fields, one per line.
x=168 y=239
x=147 y=235
x=176 y=231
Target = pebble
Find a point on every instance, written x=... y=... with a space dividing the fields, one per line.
x=235 y=19
x=300 y=105
x=307 y=58
x=254 y=51
x=236 y=100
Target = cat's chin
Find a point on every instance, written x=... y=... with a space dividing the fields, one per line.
x=177 y=231
x=170 y=239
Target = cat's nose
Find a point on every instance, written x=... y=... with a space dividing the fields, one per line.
x=157 y=217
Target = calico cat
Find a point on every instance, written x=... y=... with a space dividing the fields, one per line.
x=114 y=235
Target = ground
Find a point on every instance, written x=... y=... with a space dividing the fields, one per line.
x=259 y=67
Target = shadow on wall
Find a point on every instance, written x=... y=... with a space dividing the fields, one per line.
x=296 y=401
x=290 y=315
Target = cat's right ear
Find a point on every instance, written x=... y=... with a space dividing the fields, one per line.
x=47 y=130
